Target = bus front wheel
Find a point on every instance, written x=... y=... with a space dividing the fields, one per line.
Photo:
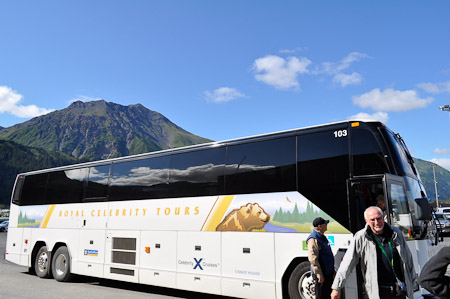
x=301 y=282
x=61 y=264
x=42 y=263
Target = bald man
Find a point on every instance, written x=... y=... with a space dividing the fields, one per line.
x=386 y=263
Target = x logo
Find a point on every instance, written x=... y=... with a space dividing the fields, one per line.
x=197 y=263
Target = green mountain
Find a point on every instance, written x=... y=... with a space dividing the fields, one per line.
x=99 y=130
x=442 y=178
x=16 y=158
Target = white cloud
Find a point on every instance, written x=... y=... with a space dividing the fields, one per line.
x=442 y=151
x=378 y=116
x=391 y=100
x=9 y=100
x=282 y=73
x=223 y=95
x=279 y=72
x=336 y=69
x=435 y=88
x=332 y=68
x=445 y=163
x=345 y=80
x=292 y=51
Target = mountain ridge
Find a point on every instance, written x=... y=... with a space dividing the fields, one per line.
x=101 y=129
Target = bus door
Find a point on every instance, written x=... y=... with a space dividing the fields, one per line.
x=363 y=193
x=399 y=211
x=388 y=192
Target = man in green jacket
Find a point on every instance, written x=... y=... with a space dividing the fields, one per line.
x=386 y=263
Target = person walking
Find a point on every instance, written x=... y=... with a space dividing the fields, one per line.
x=321 y=258
x=386 y=263
x=433 y=278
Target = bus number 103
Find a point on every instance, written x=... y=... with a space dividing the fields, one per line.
x=340 y=133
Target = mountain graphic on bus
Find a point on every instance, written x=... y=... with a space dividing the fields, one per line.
x=31 y=216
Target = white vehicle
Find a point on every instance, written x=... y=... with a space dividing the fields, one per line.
x=445 y=211
x=228 y=218
x=443 y=222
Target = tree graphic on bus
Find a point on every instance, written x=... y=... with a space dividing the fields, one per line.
x=31 y=216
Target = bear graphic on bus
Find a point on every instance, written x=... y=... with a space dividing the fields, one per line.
x=247 y=218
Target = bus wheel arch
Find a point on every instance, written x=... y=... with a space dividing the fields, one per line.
x=61 y=261
x=41 y=260
x=297 y=280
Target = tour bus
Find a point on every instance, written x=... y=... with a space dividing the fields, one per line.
x=228 y=218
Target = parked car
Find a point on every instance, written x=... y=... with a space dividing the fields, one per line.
x=4 y=226
x=443 y=222
x=445 y=211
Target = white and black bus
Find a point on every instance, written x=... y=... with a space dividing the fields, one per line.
x=228 y=218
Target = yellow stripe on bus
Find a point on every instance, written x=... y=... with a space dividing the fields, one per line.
x=217 y=212
x=48 y=214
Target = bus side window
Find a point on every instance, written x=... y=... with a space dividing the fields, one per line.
x=97 y=185
x=33 y=192
x=66 y=186
x=18 y=190
x=261 y=166
x=140 y=179
x=197 y=173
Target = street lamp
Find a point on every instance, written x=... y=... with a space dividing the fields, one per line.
x=445 y=108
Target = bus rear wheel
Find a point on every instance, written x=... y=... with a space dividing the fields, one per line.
x=301 y=283
x=61 y=264
x=42 y=263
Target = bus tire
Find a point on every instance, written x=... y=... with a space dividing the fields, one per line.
x=301 y=283
x=42 y=263
x=61 y=264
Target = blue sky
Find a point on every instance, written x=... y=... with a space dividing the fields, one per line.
x=228 y=69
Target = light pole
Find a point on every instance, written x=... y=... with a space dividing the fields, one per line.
x=435 y=188
x=445 y=108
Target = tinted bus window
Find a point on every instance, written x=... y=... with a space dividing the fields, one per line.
x=403 y=165
x=33 y=192
x=368 y=157
x=259 y=167
x=18 y=190
x=97 y=186
x=141 y=179
x=66 y=186
x=399 y=201
x=323 y=170
x=198 y=173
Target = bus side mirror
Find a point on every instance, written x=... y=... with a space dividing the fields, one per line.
x=423 y=211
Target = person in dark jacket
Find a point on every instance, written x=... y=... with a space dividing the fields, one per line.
x=321 y=258
x=433 y=276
